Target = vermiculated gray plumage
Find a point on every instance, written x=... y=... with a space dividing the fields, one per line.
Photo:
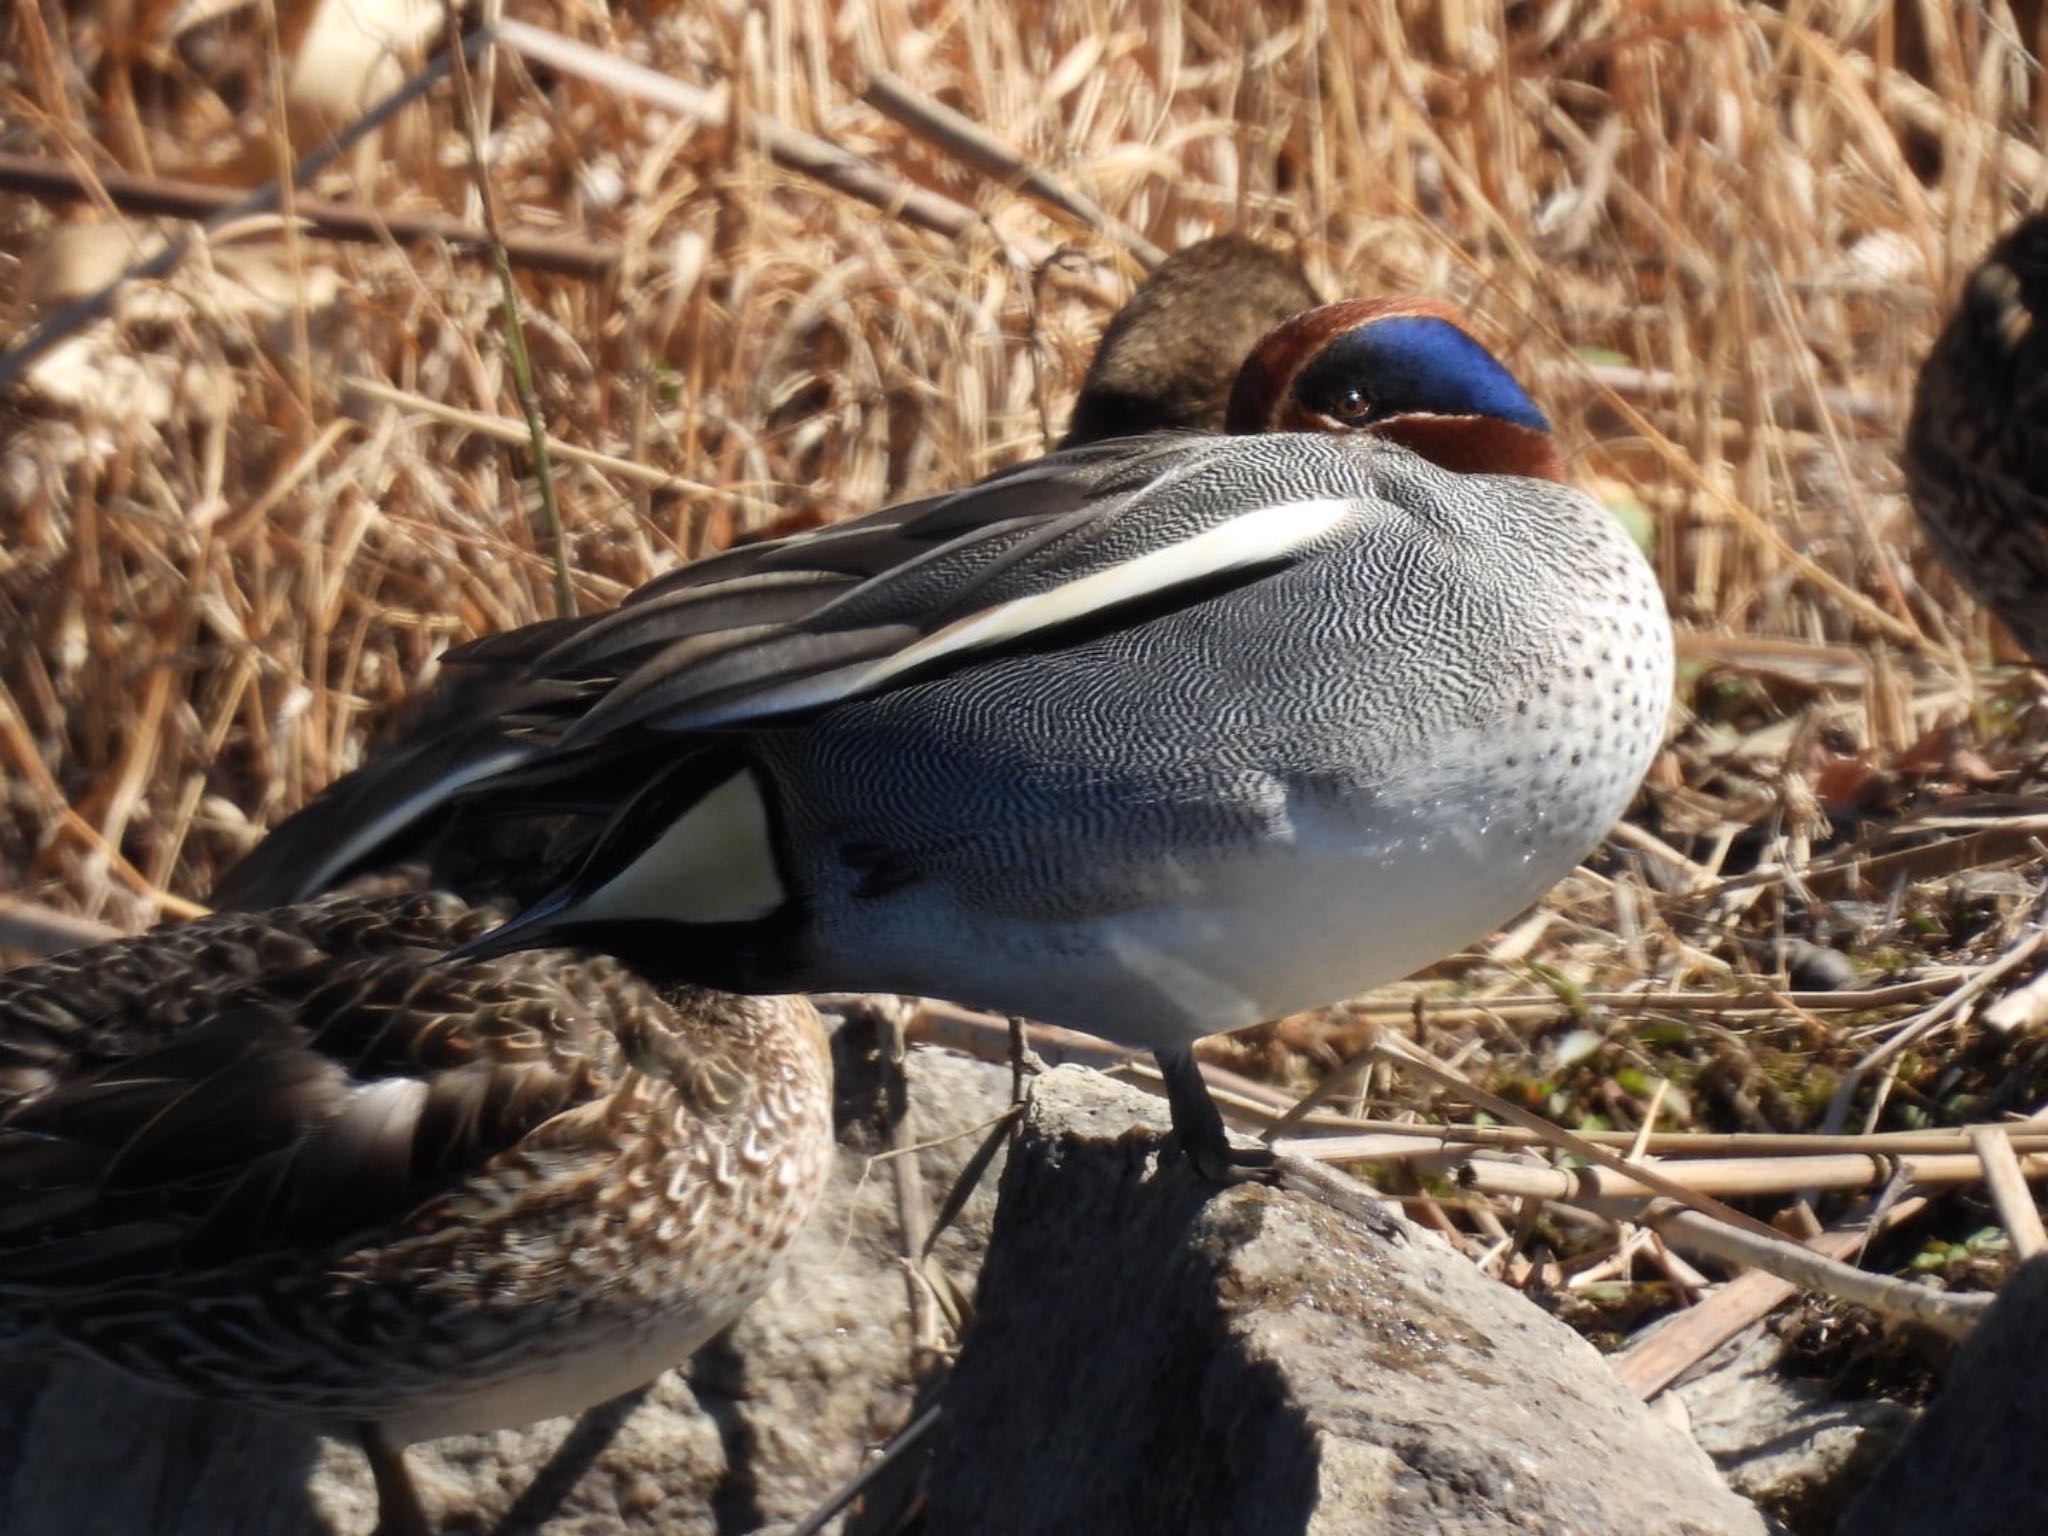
x=1407 y=728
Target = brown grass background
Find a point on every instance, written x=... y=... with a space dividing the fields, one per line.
x=1716 y=238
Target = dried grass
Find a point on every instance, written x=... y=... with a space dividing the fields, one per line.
x=239 y=520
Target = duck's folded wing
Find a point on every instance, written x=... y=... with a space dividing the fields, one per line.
x=1065 y=547
x=284 y=1081
x=504 y=699
x=393 y=807
x=1145 y=526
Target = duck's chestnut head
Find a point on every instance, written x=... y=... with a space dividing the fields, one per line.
x=1405 y=369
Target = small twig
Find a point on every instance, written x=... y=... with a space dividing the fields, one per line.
x=1729 y=1177
x=505 y=430
x=844 y=172
x=898 y=1444
x=974 y=146
x=53 y=181
x=1652 y=1364
x=913 y=1210
x=515 y=331
x=1947 y=1313
x=972 y=1172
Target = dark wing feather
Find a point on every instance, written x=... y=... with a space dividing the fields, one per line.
x=392 y=808
x=208 y=1118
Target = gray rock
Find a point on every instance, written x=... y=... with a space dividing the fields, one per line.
x=761 y=1424
x=1973 y=1465
x=1152 y=1356
x=1791 y=1445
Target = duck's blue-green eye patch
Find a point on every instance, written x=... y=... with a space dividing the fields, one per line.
x=1412 y=365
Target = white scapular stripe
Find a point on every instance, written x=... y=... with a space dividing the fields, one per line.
x=715 y=864
x=1268 y=533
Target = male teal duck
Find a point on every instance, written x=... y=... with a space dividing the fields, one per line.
x=1976 y=454
x=1154 y=738
x=1169 y=356
x=300 y=1161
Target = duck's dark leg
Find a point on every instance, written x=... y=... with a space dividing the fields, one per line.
x=1198 y=1125
x=399 y=1511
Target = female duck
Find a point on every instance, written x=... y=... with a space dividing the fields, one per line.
x=1155 y=738
x=1977 y=442
x=295 y=1160
x=1167 y=359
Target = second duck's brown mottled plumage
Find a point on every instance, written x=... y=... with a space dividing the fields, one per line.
x=300 y=1161
x=1168 y=357
x=1976 y=454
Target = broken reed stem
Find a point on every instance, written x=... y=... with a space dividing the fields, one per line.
x=974 y=146
x=805 y=153
x=1726 y=1177
x=1655 y=1361
x=2006 y=1175
x=1948 y=1313
x=505 y=430
x=515 y=331
x=55 y=181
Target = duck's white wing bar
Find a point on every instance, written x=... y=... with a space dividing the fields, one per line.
x=1259 y=537
x=803 y=669
x=987 y=590
x=886 y=573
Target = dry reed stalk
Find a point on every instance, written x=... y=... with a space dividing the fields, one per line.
x=1728 y=1178
x=55 y=182
x=2006 y=1173
x=1653 y=1364
x=1950 y=1314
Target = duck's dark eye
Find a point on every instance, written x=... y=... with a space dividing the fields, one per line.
x=1347 y=404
